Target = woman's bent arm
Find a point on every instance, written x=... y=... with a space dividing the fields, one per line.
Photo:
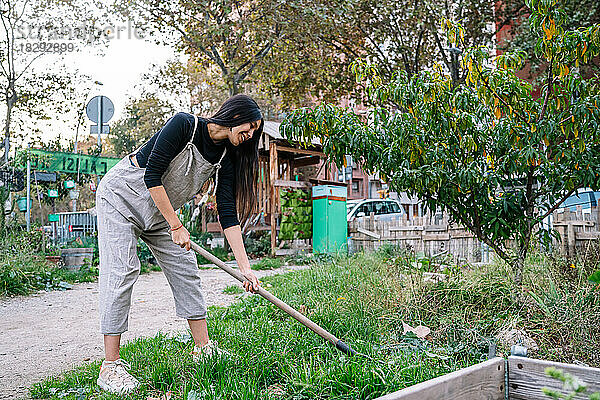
x=159 y=195
x=234 y=238
x=180 y=235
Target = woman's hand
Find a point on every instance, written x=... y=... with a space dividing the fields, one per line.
x=252 y=284
x=234 y=237
x=181 y=237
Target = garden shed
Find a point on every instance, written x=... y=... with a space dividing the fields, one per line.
x=282 y=165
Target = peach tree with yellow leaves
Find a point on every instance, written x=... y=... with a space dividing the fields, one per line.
x=484 y=150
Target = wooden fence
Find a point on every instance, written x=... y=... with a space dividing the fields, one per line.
x=434 y=234
x=428 y=234
x=577 y=229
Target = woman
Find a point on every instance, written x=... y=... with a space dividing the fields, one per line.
x=138 y=197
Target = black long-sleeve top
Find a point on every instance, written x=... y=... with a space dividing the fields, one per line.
x=156 y=154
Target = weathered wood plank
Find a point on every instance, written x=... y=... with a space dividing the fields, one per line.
x=439 y=236
x=385 y=238
x=296 y=184
x=369 y=233
x=405 y=228
x=574 y=222
x=527 y=377
x=483 y=381
x=301 y=151
x=465 y=235
x=436 y=228
x=587 y=235
x=273 y=175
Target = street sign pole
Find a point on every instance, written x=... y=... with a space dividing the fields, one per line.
x=99 y=132
x=99 y=123
x=97 y=111
x=28 y=213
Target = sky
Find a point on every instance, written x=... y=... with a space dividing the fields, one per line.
x=118 y=66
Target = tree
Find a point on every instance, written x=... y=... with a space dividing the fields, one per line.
x=142 y=118
x=311 y=62
x=312 y=65
x=27 y=36
x=495 y=158
x=186 y=86
x=235 y=36
x=578 y=13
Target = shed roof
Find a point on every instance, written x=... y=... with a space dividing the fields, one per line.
x=271 y=128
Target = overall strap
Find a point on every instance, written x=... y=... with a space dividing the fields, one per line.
x=190 y=144
x=195 y=126
x=217 y=167
x=221 y=159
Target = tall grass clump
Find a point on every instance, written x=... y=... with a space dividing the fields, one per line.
x=23 y=268
x=556 y=307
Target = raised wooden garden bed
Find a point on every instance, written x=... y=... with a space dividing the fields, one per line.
x=488 y=380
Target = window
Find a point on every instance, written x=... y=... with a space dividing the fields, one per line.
x=394 y=207
x=365 y=208
x=381 y=208
x=581 y=199
x=596 y=200
x=356 y=186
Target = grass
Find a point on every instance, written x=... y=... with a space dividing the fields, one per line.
x=556 y=306
x=24 y=270
x=346 y=296
x=233 y=289
x=363 y=300
x=268 y=263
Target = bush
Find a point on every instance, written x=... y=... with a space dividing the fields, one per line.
x=258 y=244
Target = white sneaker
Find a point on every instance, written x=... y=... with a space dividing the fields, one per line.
x=114 y=377
x=209 y=350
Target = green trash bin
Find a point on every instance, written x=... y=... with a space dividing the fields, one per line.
x=330 y=226
x=22 y=203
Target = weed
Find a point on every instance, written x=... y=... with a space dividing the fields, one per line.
x=571 y=384
x=258 y=244
x=219 y=252
x=23 y=268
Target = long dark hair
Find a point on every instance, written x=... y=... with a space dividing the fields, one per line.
x=238 y=110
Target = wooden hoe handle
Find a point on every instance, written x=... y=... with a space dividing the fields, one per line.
x=340 y=345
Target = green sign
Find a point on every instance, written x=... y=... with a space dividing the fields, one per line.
x=71 y=162
x=52 y=192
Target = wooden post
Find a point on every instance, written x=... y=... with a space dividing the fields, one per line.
x=274 y=175
x=527 y=377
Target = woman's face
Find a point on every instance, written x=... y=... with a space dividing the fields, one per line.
x=241 y=133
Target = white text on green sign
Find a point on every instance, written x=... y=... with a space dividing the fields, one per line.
x=70 y=162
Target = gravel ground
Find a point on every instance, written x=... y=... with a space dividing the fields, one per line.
x=49 y=332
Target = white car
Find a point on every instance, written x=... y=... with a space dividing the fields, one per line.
x=584 y=197
x=384 y=209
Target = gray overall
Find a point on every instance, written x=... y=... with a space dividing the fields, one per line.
x=126 y=212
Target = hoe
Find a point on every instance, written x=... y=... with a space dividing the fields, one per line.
x=339 y=344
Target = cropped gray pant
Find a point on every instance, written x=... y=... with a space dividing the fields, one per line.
x=122 y=219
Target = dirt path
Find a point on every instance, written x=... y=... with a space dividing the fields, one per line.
x=49 y=332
